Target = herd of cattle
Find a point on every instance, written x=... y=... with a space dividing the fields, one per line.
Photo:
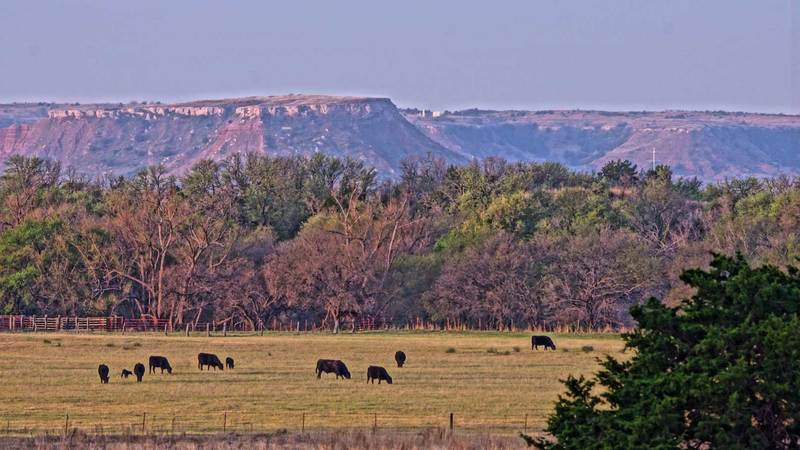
x=333 y=366
x=160 y=362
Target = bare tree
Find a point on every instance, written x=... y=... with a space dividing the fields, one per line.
x=598 y=275
x=340 y=262
x=497 y=284
x=146 y=217
x=21 y=186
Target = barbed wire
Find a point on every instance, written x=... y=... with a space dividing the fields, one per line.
x=531 y=420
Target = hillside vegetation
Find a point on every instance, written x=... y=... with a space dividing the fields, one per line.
x=491 y=245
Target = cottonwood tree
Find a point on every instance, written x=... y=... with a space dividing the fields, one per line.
x=661 y=215
x=145 y=219
x=205 y=238
x=496 y=284
x=598 y=275
x=331 y=182
x=30 y=253
x=621 y=174
x=253 y=300
x=341 y=261
x=23 y=187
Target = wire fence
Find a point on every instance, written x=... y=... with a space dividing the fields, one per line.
x=144 y=423
x=22 y=323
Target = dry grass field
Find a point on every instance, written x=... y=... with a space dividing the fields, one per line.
x=490 y=381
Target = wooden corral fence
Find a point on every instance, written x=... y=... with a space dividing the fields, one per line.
x=74 y=323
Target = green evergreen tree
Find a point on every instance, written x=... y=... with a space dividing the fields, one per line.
x=721 y=372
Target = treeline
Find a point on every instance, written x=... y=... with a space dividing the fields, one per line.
x=491 y=245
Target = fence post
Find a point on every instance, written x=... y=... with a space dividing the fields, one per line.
x=525 y=430
x=303 y=424
x=144 y=417
x=225 y=329
x=66 y=425
x=173 y=426
x=375 y=423
x=187 y=330
x=452 y=423
x=166 y=333
x=224 y=421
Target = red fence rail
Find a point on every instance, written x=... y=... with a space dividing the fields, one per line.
x=74 y=323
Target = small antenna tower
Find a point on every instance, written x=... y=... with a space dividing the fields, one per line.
x=654 y=159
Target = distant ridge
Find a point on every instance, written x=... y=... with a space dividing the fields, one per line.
x=710 y=145
x=121 y=138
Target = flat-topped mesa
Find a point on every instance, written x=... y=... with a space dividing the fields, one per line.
x=248 y=107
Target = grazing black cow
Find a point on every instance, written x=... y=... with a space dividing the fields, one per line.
x=378 y=373
x=400 y=357
x=102 y=370
x=138 y=369
x=229 y=362
x=159 y=362
x=125 y=373
x=544 y=341
x=210 y=360
x=332 y=366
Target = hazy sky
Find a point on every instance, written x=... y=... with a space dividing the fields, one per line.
x=604 y=54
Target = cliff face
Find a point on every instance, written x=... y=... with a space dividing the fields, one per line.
x=120 y=139
x=709 y=145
